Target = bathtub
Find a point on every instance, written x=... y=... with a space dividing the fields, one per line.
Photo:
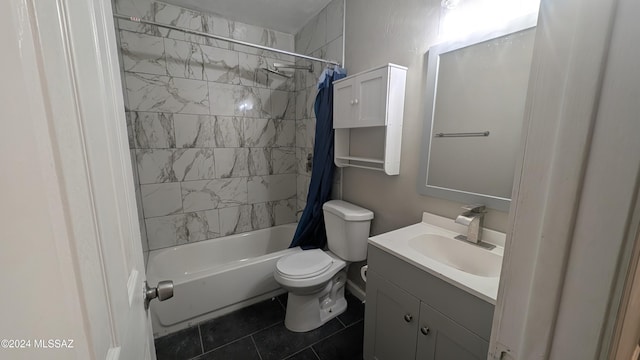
x=214 y=277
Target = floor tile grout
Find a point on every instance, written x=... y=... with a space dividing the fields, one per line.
x=201 y=341
x=343 y=327
x=314 y=352
x=256 y=346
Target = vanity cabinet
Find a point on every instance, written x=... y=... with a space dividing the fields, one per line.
x=370 y=99
x=411 y=314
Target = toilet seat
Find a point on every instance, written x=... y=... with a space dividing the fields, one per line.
x=304 y=265
x=307 y=269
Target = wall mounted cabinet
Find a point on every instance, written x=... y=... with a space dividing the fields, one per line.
x=411 y=314
x=373 y=98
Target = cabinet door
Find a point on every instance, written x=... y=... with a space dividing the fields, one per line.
x=391 y=321
x=371 y=98
x=440 y=338
x=343 y=104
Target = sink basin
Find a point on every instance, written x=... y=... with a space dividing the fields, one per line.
x=455 y=253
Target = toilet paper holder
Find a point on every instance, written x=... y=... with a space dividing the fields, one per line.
x=363 y=272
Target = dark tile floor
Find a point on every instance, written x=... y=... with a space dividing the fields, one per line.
x=258 y=332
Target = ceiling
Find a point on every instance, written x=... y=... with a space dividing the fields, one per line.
x=287 y=16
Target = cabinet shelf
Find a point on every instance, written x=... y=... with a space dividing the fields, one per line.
x=361 y=159
x=372 y=98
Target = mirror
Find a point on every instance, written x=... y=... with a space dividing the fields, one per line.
x=476 y=92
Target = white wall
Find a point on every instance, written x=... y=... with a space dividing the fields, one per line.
x=379 y=32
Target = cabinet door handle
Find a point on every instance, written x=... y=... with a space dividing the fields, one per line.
x=424 y=330
x=408 y=317
x=355 y=101
x=351 y=102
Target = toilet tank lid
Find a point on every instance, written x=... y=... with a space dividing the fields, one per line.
x=347 y=211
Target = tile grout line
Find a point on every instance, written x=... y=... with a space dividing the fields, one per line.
x=201 y=341
x=225 y=344
x=328 y=336
x=314 y=352
x=240 y=338
x=297 y=352
x=255 y=346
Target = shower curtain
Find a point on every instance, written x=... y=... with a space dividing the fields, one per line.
x=310 y=232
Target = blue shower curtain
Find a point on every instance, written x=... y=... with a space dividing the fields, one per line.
x=311 y=232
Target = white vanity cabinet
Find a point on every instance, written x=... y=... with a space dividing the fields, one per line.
x=373 y=98
x=411 y=314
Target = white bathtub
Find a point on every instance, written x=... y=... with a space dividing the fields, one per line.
x=214 y=277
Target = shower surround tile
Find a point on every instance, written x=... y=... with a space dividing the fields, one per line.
x=196 y=61
x=334 y=50
x=167 y=231
x=157 y=166
x=259 y=132
x=286 y=82
x=313 y=35
x=301 y=133
x=152 y=130
x=282 y=105
x=255 y=102
x=252 y=70
x=262 y=216
x=220 y=65
x=283 y=160
x=161 y=199
x=142 y=53
x=229 y=132
x=194 y=130
x=182 y=18
x=284 y=211
x=305 y=101
x=260 y=161
x=270 y=161
x=166 y=94
x=184 y=59
x=270 y=188
x=194 y=164
x=204 y=119
x=226 y=99
x=213 y=194
x=208 y=131
x=231 y=162
x=261 y=36
x=285 y=132
x=235 y=220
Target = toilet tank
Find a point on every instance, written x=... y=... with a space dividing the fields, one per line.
x=347 y=228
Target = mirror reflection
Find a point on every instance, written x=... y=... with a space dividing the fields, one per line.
x=477 y=91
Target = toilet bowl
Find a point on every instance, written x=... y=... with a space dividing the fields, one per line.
x=315 y=278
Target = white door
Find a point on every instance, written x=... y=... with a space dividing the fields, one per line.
x=67 y=66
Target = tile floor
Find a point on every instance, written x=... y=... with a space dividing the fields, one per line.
x=258 y=332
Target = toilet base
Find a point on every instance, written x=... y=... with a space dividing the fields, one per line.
x=309 y=312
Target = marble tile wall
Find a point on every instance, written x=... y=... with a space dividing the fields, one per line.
x=321 y=37
x=213 y=136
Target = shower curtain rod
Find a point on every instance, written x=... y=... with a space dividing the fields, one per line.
x=217 y=37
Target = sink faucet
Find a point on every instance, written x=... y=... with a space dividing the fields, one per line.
x=472 y=218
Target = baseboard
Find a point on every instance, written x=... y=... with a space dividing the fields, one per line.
x=356 y=290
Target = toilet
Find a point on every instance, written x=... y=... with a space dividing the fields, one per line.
x=315 y=278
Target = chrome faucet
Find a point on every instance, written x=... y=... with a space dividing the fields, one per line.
x=472 y=218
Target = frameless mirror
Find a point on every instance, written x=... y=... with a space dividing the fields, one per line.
x=476 y=91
